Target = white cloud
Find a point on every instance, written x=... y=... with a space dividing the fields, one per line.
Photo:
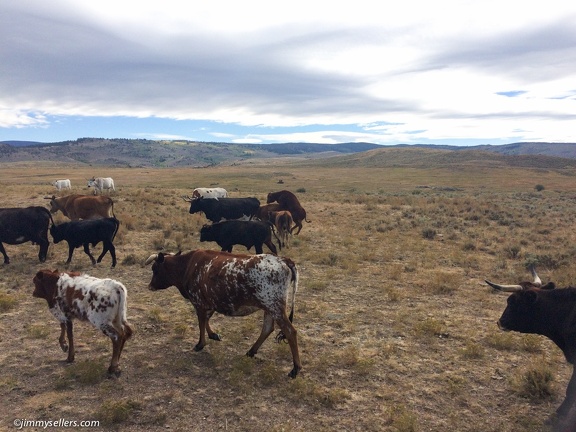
x=435 y=67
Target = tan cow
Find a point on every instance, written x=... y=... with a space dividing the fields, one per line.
x=283 y=222
x=82 y=206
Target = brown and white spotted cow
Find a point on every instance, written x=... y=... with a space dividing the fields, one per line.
x=233 y=285
x=99 y=301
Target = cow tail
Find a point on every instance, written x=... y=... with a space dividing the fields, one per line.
x=117 y=223
x=294 y=283
x=49 y=215
x=120 y=319
x=112 y=208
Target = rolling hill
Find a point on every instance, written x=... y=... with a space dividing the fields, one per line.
x=150 y=153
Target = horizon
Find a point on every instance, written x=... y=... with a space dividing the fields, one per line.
x=487 y=73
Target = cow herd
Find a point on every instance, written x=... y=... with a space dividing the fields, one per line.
x=232 y=285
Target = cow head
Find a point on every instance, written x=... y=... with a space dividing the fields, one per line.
x=57 y=232
x=522 y=304
x=196 y=205
x=519 y=314
x=45 y=285
x=54 y=204
x=207 y=233
x=163 y=275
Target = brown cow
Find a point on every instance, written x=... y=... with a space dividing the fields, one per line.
x=82 y=206
x=102 y=302
x=288 y=201
x=233 y=285
x=283 y=223
x=263 y=212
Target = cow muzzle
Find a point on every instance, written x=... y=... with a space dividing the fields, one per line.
x=501 y=327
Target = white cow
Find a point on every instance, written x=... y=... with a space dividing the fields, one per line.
x=210 y=193
x=101 y=183
x=62 y=184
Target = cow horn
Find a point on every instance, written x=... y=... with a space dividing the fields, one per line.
x=186 y=198
x=537 y=280
x=504 y=288
x=48 y=197
x=150 y=259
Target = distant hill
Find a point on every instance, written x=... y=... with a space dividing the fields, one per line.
x=142 y=152
x=442 y=158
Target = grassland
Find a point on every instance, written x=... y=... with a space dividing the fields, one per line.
x=397 y=330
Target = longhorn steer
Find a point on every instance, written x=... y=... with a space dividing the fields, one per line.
x=82 y=206
x=225 y=208
x=86 y=232
x=233 y=285
x=100 y=301
x=246 y=233
x=541 y=309
x=288 y=201
x=20 y=225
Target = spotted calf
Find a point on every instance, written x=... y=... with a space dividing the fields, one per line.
x=99 y=301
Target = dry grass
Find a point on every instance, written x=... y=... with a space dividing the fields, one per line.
x=396 y=327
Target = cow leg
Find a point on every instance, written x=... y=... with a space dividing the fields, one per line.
x=70 y=252
x=297 y=224
x=270 y=246
x=203 y=317
x=108 y=246
x=70 y=334
x=211 y=334
x=258 y=248
x=43 y=252
x=62 y=338
x=267 y=328
x=87 y=252
x=570 y=399
x=6 y=259
x=289 y=332
x=117 y=343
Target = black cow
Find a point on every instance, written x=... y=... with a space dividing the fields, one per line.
x=548 y=311
x=20 y=225
x=86 y=232
x=246 y=233
x=225 y=208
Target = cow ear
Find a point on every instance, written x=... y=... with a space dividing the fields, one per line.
x=178 y=253
x=160 y=258
x=40 y=275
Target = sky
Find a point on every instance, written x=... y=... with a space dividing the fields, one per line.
x=458 y=72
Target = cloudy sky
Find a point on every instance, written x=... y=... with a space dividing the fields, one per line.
x=447 y=72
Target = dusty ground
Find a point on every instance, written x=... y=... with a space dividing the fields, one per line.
x=396 y=327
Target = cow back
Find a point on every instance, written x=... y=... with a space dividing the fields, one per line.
x=19 y=225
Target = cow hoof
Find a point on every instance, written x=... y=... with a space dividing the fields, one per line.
x=64 y=348
x=251 y=353
x=114 y=373
x=198 y=347
x=70 y=360
x=293 y=373
x=215 y=336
